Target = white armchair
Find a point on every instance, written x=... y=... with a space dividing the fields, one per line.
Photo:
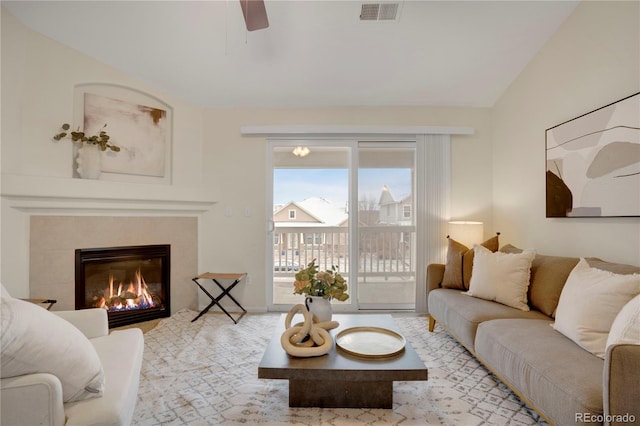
x=37 y=399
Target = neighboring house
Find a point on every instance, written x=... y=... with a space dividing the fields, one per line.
x=396 y=244
x=311 y=212
x=312 y=227
x=394 y=212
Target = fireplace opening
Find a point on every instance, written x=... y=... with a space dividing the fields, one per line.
x=132 y=283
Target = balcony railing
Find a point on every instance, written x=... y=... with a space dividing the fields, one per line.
x=384 y=252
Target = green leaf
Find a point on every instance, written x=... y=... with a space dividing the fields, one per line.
x=101 y=138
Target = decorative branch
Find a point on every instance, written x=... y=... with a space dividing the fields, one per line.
x=102 y=138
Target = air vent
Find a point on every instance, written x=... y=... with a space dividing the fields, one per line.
x=379 y=12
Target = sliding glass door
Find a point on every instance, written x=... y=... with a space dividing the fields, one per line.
x=346 y=204
x=386 y=226
x=310 y=214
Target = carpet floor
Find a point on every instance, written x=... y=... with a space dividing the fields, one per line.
x=206 y=373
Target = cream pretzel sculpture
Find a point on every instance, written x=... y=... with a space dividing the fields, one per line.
x=320 y=341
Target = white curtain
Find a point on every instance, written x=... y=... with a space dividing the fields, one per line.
x=433 y=158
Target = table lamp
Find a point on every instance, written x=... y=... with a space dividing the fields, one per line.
x=467 y=233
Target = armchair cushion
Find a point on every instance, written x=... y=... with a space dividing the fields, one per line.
x=121 y=355
x=91 y=322
x=35 y=340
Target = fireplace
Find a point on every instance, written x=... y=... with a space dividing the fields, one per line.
x=132 y=283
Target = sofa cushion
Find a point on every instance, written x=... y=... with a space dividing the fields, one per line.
x=35 y=340
x=548 y=275
x=122 y=376
x=459 y=266
x=461 y=314
x=502 y=277
x=616 y=268
x=557 y=376
x=589 y=303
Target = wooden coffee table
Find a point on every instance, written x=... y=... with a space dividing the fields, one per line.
x=338 y=379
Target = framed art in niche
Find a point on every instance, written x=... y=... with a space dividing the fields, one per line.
x=593 y=163
x=140 y=124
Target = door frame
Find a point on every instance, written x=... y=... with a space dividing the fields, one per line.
x=353 y=143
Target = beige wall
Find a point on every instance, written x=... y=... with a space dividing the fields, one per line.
x=591 y=61
x=238 y=243
x=38 y=79
x=498 y=172
x=38 y=76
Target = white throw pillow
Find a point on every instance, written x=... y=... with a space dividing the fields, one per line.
x=626 y=326
x=590 y=300
x=501 y=277
x=35 y=340
x=4 y=293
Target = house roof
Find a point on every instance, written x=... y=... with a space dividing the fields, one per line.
x=326 y=213
x=386 y=197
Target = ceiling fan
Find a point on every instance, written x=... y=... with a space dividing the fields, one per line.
x=255 y=14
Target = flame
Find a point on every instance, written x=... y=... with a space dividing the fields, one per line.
x=135 y=296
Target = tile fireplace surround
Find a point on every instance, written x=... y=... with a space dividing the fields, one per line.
x=54 y=239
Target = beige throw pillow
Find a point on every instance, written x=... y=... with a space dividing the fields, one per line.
x=458 y=269
x=501 y=277
x=589 y=303
x=492 y=244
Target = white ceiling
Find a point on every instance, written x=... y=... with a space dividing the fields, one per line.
x=315 y=53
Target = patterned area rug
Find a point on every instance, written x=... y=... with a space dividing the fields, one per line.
x=205 y=373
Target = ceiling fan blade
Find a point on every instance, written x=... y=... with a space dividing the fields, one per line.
x=255 y=14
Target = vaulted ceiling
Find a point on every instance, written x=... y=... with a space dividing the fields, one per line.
x=314 y=53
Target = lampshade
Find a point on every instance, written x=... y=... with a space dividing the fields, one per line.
x=467 y=233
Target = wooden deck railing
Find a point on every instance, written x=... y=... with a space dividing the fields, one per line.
x=384 y=252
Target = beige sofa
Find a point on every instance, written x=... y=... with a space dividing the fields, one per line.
x=564 y=383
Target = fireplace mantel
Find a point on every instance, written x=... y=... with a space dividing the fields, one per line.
x=55 y=195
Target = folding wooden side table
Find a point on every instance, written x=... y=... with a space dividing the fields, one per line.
x=236 y=277
x=50 y=302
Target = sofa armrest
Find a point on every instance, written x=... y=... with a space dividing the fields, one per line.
x=621 y=373
x=32 y=399
x=92 y=322
x=435 y=273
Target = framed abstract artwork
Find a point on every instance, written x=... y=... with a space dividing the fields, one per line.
x=140 y=124
x=593 y=163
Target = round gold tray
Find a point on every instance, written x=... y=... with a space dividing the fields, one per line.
x=370 y=342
